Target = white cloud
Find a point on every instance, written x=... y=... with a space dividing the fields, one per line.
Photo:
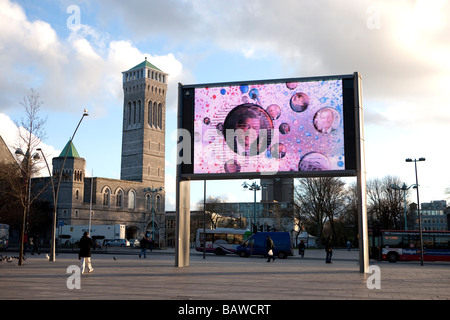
x=404 y=59
x=68 y=72
x=10 y=134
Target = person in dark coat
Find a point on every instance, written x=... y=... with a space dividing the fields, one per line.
x=270 y=246
x=85 y=246
x=329 y=249
x=301 y=248
x=143 y=245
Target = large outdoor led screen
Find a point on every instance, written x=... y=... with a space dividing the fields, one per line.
x=287 y=127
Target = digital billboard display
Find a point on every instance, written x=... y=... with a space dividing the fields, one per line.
x=296 y=127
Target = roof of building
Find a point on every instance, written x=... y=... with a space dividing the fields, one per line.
x=72 y=153
x=145 y=64
x=5 y=154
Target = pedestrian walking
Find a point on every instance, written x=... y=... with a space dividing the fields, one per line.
x=349 y=245
x=36 y=249
x=329 y=249
x=301 y=248
x=270 y=246
x=85 y=246
x=143 y=245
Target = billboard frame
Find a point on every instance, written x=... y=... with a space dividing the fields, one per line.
x=353 y=148
x=186 y=108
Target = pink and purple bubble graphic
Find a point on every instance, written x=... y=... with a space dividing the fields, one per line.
x=305 y=128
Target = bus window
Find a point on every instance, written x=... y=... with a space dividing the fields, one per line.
x=393 y=241
x=442 y=242
x=201 y=238
x=411 y=241
x=428 y=241
x=220 y=236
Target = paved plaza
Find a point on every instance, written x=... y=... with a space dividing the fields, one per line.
x=122 y=275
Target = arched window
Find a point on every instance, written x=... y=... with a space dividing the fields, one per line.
x=158 y=203
x=139 y=111
x=119 y=198
x=131 y=199
x=160 y=116
x=129 y=113
x=106 y=197
x=150 y=113
x=155 y=115
x=148 y=202
x=134 y=112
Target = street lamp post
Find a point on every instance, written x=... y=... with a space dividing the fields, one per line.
x=404 y=188
x=153 y=192
x=253 y=187
x=27 y=209
x=53 y=190
x=418 y=207
x=56 y=194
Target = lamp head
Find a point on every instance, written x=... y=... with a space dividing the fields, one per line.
x=408 y=160
x=421 y=159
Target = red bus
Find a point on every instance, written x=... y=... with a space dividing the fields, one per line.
x=400 y=245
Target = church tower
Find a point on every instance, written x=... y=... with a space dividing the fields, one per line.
x=144 y=125
x=71 y=191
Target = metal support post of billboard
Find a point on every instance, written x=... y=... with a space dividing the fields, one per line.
x=361 y=179
x=182 y=221
x=183 y=214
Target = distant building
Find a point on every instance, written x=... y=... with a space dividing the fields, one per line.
x=435 y=215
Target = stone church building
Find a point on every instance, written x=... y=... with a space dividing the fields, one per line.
x=140 y=190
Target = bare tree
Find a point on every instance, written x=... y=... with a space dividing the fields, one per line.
x=385 y=203
x=218 y=212
x=320 y=200
x=31 y=127
x=31 y=133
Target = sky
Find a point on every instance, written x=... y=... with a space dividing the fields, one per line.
x=73 y=54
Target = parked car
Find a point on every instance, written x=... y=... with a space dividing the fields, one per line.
x=117 y=243
x=134 y=243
